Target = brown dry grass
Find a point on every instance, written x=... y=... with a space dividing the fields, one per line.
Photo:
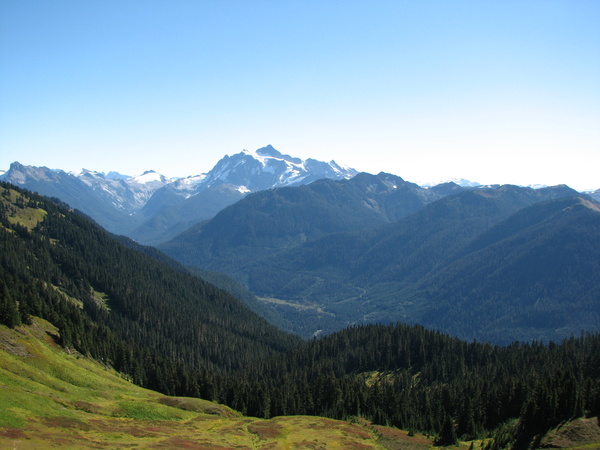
x=579 y=433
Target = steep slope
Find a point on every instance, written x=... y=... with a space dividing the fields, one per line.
x=51 y=396
x=271 y=221
x=168 y=213
x=127 y=194
x=149 y=320
x=448 y=188
x=232 y=178
x=595 y=194
x=423 y=242
x=114 y=302
x=267 y=168
x=534 y=275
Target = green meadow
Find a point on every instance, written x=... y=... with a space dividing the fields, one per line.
x=51 y=397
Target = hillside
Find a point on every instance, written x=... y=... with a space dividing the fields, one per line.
x=52 y=398
x=422 y=267
x=69 y=189
x=114 y=302
x=153 y=322
x=536 y=274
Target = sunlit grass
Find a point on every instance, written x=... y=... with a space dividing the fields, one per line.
x=50 y=397
x=25 y=216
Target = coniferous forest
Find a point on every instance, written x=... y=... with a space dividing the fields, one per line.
x=170 y=331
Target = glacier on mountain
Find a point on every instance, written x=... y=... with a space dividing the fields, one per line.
x=149 y=206
x=267 y=168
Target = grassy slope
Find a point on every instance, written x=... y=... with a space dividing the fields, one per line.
x=28 y=217
x=53 y=398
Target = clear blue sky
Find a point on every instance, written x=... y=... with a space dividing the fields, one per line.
x=492 y=91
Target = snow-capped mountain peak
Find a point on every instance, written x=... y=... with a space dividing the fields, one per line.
x=145 y=206
x=150 y=176
x=86 y=172
x=270 y=152
x=188 y=185
x=112 y=175
x=267 y=168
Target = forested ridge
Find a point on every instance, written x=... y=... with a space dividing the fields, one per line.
x=266 y=222
x=175 y=333
x=418 y=379
x=67 y=269
x=497 y=264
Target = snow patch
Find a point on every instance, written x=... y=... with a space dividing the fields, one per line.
x=263 y=160
x=150 y=176
x=188 y=183
x=84 y=172
x=268 y=168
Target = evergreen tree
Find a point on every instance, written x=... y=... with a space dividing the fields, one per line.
x=447 y=433
x=9 y=313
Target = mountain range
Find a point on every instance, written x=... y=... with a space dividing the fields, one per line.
x=152 y=208
x=269 y=221
x=135 y=310
x=499 y=263
x=323 y=247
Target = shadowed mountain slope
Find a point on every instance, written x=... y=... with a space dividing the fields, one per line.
x=270 y=221
x=534 y=275
x=394 y=271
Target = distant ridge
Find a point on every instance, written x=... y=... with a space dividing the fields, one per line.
x=151 y=208
x=377 y=249
x=458 y=181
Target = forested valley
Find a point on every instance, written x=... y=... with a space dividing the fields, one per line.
x=498 y=264
x=170 y=331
